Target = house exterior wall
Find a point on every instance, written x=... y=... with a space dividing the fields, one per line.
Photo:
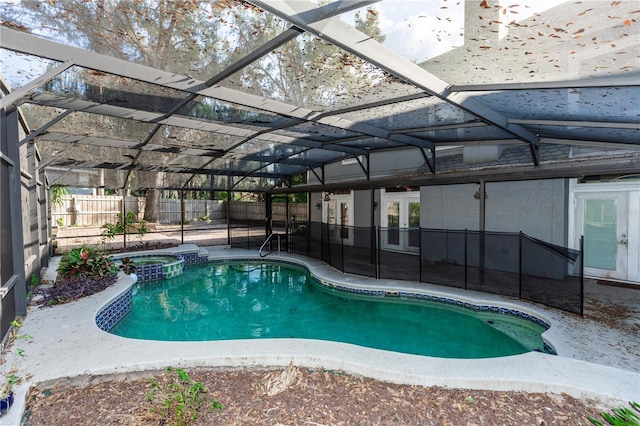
x=316 y=213
x=362 y=208
x=385 y=163
x=449 y=207
x=537 y=208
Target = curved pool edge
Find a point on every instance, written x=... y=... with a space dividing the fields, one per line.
x=328 y=277
x=326 y=274
x=115 y=309
x=71 y=328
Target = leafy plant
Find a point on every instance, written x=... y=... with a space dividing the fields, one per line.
x=130 y=224
x=60 y=222
x=57 y=194
x=623 y=416
x=85 y=262
x=127 y=265
x=11 y=380
x=179 y=399
x=32 y=285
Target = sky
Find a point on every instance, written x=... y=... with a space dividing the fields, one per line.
x=416 y=29
x=419 y=30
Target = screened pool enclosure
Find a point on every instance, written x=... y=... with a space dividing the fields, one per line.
x=481 y=116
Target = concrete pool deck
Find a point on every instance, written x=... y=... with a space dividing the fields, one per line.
x=594 y=362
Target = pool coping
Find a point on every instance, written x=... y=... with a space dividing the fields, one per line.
x=67 y=346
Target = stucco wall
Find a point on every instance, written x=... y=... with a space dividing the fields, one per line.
x=537 y=208
x=314 y=199
x=362 y=208
x=449 y=207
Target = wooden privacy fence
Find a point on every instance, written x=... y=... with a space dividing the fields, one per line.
x=170 y=210
x=93 y=210
x=255 y=211
x=96 y=210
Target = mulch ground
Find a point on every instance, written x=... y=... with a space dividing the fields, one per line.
x=297 y=396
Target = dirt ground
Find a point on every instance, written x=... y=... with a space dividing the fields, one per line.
x=297 y=396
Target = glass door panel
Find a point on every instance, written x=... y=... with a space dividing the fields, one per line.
x=600 y=232
x=393 y=223
x=344 y=220
x=414 y=224
x=603 y=221
x=338 y=212
x=331 y=213
x=402 y=222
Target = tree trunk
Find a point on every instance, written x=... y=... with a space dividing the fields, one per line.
x=151 y=206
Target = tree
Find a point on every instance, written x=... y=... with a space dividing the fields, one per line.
x=195 y=38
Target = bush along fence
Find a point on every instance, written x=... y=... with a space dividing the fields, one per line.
x=509 y=264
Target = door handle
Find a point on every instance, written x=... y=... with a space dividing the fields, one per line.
x=623 y=239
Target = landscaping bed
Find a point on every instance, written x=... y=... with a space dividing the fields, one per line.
x=310 y=398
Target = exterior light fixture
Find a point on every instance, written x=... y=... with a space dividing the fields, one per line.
x=477 y=194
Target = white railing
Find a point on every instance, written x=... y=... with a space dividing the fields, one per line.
x=267 y=242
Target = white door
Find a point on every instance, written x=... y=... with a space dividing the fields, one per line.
x=401 y=218
x=603 y=220
x=338 y=212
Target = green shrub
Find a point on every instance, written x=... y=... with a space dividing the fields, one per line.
x=57 y=194
x=623 y=416
x=178 y=400
x=127 y=265
x=85 y=262
x=130 y=224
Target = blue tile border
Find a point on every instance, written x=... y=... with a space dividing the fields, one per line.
x=401 y=294
x=193 y=258
x=111 y=314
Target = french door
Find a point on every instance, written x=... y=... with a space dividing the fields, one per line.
x=401 y=218
x=338 y=213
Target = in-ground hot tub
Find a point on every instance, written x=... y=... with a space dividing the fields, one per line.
x=151 y=267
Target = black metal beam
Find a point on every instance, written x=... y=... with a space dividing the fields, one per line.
x=610 y=166
x=320 y=178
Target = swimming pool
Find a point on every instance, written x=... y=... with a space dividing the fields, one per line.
x=225 y=301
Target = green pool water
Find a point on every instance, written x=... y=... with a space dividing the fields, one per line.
x=152 y=260
x=223 y=301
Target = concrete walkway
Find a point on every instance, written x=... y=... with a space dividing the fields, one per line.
x=67 y=346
